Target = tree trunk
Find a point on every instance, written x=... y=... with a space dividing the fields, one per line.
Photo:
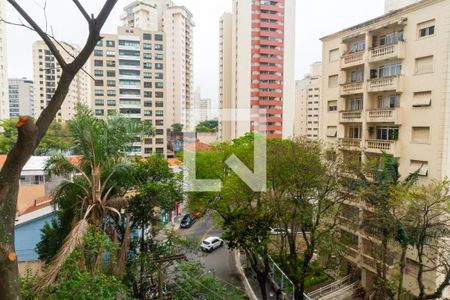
x=402 y=269
x=262 y=280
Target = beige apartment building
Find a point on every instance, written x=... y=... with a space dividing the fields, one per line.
x=307 y=103
x=4 y=99
x=129 y=69
x=46 y=74
x=256 y=63
x=385 y=88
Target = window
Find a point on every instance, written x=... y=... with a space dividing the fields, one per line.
x=159 y=113
x=98 y=63
x=393 y=69
x=111 y=92
x=159 y=104
x=391 y=38
x=99 y=92
x=98 y=73
x=111 y=73
x=158 y=47
x=158 y=66
x=110 y=53
x=159 y=85
x=333 y=81
x=147 y=46
x=99 y=112
x=357 y=76
x=420 y=135
x=98 y=52
x=159 y=131
x=147 y=75
x=426 y=28
x=355 y=104
x=147 y=65
x=159 y=122
x=354 y=132
x=159 y=56
x=333 y=55
x=147 y=94
x=111 y=83
x=332 y=105
x=422 y=99
x=110 y=43
x=148 y=150
x=147 y=84
x=99 y=102
x=158 y=37
x=418 y=165
x=147 y=36
x=388 y=133
x=148 y=104
x=148 y=141
x=357 y=46
x=131 y=44
x=147 y=113
x=111 y=102
x=390 y=101
x=147 y=55
x=424 y=65
x=159 y=76
x=159 y=94
x=99 y=83
x=110 y=63
x=331 y=131
x=159 y=141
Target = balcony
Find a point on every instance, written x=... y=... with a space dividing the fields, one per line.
x=395 y=51
x=392 y=83
x=389 y=115
x=350 y=144
x=350 y=116
x=379 y=146
x=352 y=88
x=352 y=59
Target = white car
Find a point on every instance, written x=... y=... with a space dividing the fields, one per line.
x=211 y=243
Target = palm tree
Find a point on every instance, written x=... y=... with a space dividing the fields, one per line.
x=95 y=185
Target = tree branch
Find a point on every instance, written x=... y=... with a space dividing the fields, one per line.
x=83 y=11
x=52 y=47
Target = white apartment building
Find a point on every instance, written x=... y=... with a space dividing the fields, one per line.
x=4 y=99
x=202 y=108
x=307 y=103
x=21 y=97
x=129 y=72
x=258 y=40
x=385 y=88
x=46 y=74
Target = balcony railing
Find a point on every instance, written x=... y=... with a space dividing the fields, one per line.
x=392 y=83
x=352 y=59
x=350 y=143
x=389 y=115
x=388 y=52
x=350 y=116
x=352 y=88
x=378 y=146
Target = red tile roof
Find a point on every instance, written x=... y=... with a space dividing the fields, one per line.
x=39 y=203
x=198 y=146
x=2 y=160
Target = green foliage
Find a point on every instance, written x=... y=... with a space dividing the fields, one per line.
x=57 y=138
x=176 y=129
x=191 y=282
x=208 y=126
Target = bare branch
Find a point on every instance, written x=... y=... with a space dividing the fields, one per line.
x=41 y=33
x=83 y=11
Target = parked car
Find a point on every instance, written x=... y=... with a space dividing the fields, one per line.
x=211 y=243
x=187 y=221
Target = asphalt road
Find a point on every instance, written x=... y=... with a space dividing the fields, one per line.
x=221 y=261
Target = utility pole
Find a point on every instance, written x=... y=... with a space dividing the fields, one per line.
x=159 y=261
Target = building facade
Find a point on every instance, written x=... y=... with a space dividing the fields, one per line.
x=4 y=99
x=261 y=78
x=385 y=88
x=307 y=103
x=46 y=74
x=129 y=69
x=391 y=5
x=21 y=97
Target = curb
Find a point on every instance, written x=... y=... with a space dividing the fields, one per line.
x=247 y=287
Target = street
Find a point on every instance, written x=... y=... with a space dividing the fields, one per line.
x=221 y=261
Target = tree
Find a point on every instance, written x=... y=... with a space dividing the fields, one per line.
x=94 y=188
x=428 y=211
x=191 y=282
x=305 y=191
x=30 y=135
x=176 y=129
x=208 y=126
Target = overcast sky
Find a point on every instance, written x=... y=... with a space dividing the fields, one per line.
x=315 y=18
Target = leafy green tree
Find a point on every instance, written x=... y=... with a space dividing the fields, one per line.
x=57 y=138
x=94 y=188
x=208 y=126
x=192 y=282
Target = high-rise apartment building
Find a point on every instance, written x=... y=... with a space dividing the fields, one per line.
x=129 y=69
x=4 y=99
x=21 y=97
x=385 y=88
x=307 y=103
x=202 y=108
x=261 y=78
x=391 y=5
x=46 y=74
x=177 y=24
